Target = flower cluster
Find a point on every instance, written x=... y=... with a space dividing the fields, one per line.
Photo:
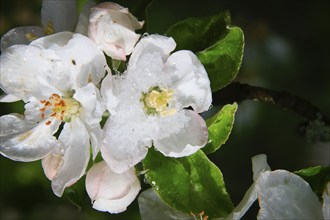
x=60 y=72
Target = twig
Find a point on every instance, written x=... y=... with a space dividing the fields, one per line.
x=238 y=92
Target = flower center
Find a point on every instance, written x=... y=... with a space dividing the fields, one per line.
x=61 y=108
x=156 y=101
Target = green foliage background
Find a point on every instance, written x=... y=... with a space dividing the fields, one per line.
x=286 y=48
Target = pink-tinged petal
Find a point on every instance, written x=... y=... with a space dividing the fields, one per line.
x=9 y=98
x=110 y=191
x=188 y=140
x=21 y=35
x=58 y=15
x=152 y=44
x=51 y=164
x=189 y=80
x=24 y=141
x=121 y=149
x=326 y=202
x=121 y=15
x=284 y=195
x=112 y=27
x=75 y=141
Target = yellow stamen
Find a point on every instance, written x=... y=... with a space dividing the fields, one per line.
x=61 y=108
x=49 y=29
x=31 y=36
x=156 y=101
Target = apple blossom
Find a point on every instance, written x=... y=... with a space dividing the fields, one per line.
x=281 y=195
x=112 y=27
x=56 y=77
x=110 y=191
x=148 y=104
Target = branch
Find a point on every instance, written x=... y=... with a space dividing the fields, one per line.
x=238 y=92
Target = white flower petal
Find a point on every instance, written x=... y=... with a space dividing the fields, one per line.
x=24 y=141
x=113 y=29
x=9 y=98
x=62 y=14
x=284 y=195
x=259 y=165
x=110 y=191
x=75 y=140
x=249 y=198
x=121 y=149
x=152 y=207
x=21 y=35
x=107 y=93
x=25 y=73
x=76 y=65
x=91 y=110
x=326 y=202
x=83 y=21
x=152 y=44
x=188 y=140
x=189 y=80
x=51 y=164
x=91 y=105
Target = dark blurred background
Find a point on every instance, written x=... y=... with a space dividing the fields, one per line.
x=286 y=48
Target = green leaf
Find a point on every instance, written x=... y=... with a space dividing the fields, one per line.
x=223 y=60
x=190 y=184
x=218 y=45
x=219 y=127
x=317 y=177
x=196 y=34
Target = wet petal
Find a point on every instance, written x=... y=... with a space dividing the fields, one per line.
x=24 y=141
x=110 y=191
x=188 y=140
x=152 y=44
x=121 y=149
x=284 y=195
x=75 y=141
x=58 y=15
x=21 y=35
x=189 y=80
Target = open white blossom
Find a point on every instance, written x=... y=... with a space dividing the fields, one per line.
x=56 y=16
x=148 y=104
x=110 y=191
x=281 y=195
x=56 y=76
x=112 y=27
